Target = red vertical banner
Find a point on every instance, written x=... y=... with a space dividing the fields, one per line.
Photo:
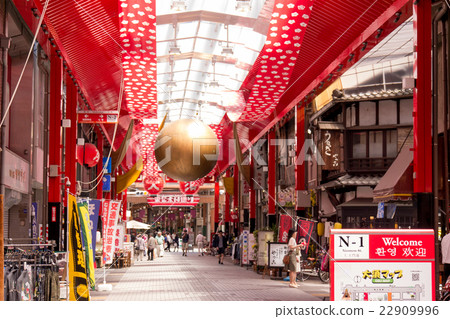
x=299 y=141
x=227 y=203
x=304 y=231
x=285 y=225
x=216 y=202
x=272 y=173
x=124 y=204
x=252 y=192
x=422 y=98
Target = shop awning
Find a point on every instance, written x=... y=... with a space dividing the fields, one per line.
x=397 y=183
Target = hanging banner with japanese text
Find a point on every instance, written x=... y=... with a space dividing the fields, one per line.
x=83 y=212
x=285 y=225
x=119 y=236
x=79 y=290
x=304 y=231
x=110 y=216
x=382 y=264
x=94 y=212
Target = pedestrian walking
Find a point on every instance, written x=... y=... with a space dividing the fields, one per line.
x=199 y=241
x=169 y=241
x=176 y=242
x=160 y=245
x=151 y=245
x=185 y=240
x=140 y=247
x=220 y=242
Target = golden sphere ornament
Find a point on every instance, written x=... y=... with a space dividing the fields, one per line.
x=186 y=150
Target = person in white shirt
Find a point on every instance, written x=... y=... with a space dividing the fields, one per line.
x=199 y=242
x=445 y=248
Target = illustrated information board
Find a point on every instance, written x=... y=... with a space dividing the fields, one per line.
x=382 y=264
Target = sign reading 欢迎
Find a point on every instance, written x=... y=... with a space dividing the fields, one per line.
x=382 y=264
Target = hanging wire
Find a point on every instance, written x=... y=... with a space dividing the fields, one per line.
x=100 y=175
x=26 y=62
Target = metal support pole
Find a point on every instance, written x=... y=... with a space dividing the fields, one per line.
x=272 y=178
x=100 y=163
x=299 y=142
x=71 y=134
x=252 y=195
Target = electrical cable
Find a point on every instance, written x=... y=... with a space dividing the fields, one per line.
x=26 y=62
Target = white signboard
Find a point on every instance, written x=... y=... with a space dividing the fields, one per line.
x=276 y=253
x=383 y=281
x=351 y=246
x=245 y=247
x=15 y=172
x=263 y=238
x=251 y=243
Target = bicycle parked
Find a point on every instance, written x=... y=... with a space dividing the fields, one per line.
x=316 y=267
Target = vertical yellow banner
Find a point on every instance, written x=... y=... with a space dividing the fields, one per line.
x=79 y=290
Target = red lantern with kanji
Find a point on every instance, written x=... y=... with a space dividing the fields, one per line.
x=189 y=188
x=88 y=154
x=153 y=184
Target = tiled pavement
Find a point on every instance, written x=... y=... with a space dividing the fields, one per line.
x=177 y=278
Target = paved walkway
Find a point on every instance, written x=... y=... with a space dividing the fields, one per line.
x=177 y=278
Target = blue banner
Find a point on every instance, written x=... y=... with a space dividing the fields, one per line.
x=94 y=212
x=108 y=167
x=106 y=183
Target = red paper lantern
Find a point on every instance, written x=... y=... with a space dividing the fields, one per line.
x=189 y=188
x=88 y=154
x=154 y=184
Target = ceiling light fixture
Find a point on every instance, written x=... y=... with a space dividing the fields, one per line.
x=214 y=83
x=171 y=83
x=227 y=50
x=243 y=5
x=174 y=49
x=179 y=5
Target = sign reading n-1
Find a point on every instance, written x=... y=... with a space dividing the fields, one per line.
x=382 y=264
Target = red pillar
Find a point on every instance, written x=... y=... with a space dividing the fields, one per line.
x=227 y=202
x=71 y=133
x=252 y=195
x=100 y=163
x=299 y=141
x=216 y=204
x=54 y=147
x=422 y=99
x=271 y=173
x=236 y=207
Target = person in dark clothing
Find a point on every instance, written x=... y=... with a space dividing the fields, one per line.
x=185 y=242
x=220 y=242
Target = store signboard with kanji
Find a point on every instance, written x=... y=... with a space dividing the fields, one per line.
x=174 y=200
x=382 y=264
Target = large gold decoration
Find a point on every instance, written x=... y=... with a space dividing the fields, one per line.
x=186 y=150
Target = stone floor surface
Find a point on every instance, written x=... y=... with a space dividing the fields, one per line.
x=195 y=278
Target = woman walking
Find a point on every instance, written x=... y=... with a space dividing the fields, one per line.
x=294 y=258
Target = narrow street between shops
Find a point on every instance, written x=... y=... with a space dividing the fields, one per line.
x=193 y=278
